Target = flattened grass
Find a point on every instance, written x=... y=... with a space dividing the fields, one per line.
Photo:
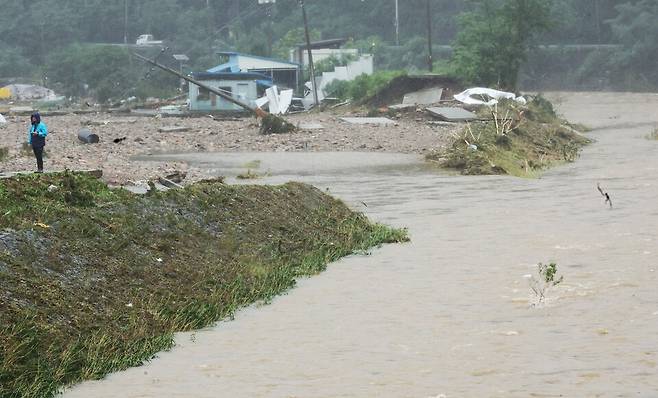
x=94 y=280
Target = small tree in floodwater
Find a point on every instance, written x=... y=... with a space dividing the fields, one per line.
x=545 y=279
x=494 y=40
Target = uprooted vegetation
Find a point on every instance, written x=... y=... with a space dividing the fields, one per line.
x=94 y=280
x=272 y=124
x=514 y=139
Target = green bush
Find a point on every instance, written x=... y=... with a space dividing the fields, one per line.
x=105 y=73
x=363 y=86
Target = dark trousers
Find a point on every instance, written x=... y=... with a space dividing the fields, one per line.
x=38 y=153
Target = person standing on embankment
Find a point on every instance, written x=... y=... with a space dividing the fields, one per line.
x=36 y=137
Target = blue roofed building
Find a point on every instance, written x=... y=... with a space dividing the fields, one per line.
x=245 y=77
x=284 y=74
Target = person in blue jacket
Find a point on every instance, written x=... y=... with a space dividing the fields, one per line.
x=36 y=137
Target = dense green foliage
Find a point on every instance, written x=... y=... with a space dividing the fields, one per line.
x=94 y=280
x=495 y=39
x=636 y=27
x=362 y=87
x=34 y=33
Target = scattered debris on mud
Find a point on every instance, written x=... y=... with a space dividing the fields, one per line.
x=124 y=138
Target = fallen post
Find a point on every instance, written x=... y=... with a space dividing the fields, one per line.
x=173 y=129
x=168 y=183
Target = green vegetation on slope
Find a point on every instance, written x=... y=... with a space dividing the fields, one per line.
x=516 y=140
x=94 y=280
x=363 y=86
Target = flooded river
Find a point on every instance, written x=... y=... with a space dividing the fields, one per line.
x=450 y=313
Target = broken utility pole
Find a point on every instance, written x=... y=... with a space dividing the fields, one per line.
x=271 y=124
x=310 y=55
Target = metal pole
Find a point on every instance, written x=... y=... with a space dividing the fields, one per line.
x=397 y=23
x=125 y=22
x=310 y=54
x=429 y=36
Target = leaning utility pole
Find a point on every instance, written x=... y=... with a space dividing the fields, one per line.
x=310 y=55
x=429 y=37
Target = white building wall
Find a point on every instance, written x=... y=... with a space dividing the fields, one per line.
x=247 y=63
x=321 y=54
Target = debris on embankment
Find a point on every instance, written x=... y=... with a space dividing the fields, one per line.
x=514 y=139
x=94 y=280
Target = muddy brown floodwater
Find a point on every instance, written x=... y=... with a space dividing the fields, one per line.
x=450 y=313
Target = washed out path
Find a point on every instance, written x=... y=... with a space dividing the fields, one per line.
x=450 y=313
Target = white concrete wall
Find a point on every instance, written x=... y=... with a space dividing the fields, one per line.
x=246 y=63
x=321 y=54
x=365 y=64
x=245 y=90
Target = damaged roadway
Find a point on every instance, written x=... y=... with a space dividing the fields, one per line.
x=411 y=134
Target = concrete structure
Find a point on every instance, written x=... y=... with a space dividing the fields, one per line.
x=321 y=50
x=282 y=73
x=364 y=65
x=321 y=54
x=242 y=85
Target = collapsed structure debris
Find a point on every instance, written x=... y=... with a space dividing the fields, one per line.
x=452 y=114
x=27 y=92
x=424 y=97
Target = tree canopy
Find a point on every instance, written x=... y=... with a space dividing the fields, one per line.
x=34 y=34
x=495 y=39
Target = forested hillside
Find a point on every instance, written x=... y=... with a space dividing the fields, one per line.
x=36 y=37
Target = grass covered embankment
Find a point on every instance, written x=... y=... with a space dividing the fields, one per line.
x=94 y=280
x=514 y=139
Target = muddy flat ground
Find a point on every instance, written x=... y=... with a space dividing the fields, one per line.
x=409 y=135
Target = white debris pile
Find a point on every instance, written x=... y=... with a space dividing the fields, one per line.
x=25 y=92
x=278 y=102
x=486 y=96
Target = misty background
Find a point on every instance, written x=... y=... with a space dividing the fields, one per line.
x=82 y=46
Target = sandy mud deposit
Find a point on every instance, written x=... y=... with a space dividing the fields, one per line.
x=318 y=133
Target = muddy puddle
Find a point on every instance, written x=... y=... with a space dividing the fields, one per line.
x=286 y=166
x=450 y=313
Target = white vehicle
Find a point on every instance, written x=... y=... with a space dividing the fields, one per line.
x=147 y=40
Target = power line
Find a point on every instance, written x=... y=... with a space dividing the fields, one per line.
x=251 y=10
